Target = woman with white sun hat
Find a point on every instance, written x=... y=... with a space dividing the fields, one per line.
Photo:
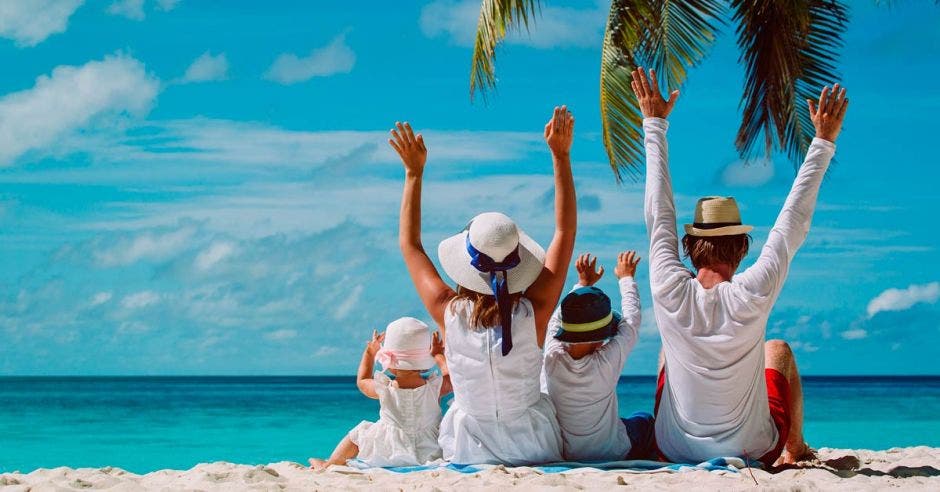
x=494 y=322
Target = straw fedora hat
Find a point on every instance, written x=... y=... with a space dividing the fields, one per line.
x=717 y=216
x=497 y=237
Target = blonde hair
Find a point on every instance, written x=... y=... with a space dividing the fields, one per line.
x=485 y=312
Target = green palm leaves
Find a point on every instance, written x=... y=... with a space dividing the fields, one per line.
x=788 y=49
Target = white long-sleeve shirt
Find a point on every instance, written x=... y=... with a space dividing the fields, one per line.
x=584 y=391
x=715 y=399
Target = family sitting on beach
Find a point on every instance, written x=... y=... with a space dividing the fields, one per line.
x=535 y=384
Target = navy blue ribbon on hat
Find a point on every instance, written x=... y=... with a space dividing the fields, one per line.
x=500 y=285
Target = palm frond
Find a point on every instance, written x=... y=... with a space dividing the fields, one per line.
x=497 y=17
x=670 y=36
x=789 y=51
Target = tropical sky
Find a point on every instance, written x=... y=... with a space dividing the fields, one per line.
x=192 y=187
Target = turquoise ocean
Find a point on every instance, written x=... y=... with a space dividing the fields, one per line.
x=143 y=424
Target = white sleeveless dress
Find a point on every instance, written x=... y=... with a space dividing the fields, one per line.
x=498 y=414
x=406 y=432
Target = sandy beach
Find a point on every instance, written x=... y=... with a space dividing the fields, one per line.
x=915 y=468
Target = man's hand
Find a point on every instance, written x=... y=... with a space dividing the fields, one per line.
x=437 y=344
x=652 y=104
x=626 y=264
x=375 y=344
x=559 y=131
x=828 y=116
x=588 y=273
x=410 y=148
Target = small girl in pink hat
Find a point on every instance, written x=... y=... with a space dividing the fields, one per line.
x=409 y=405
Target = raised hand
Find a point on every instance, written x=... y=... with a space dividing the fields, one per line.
x=828 y=116
x=626 y=264
x=375 y=344
x=652 y=103
x=437 y=344
x=559 y=131
x=588 y=273
x=410 y=148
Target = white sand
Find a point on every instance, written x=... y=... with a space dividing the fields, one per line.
x=916 y=468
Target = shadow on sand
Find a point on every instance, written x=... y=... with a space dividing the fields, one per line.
x=850 y=466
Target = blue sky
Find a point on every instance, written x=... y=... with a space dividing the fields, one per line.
x=204 y=187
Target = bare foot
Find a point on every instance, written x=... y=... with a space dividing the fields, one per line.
x=794 y=456
x=318 y=465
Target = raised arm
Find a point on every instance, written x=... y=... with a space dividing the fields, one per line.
x=765 y=278
x=547 y=287
x=658 y=204
x=434 y=292
x=437 y=350
x=364 y=376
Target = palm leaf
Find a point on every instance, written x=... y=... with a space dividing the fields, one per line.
x=789 y=53
x=496 y=18
x=670 y=36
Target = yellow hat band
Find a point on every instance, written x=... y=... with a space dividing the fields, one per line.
x=593 y=325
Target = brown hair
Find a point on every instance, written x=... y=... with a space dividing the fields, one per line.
x=716 y=250
x=485 y=313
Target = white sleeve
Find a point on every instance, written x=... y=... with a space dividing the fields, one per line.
x=616 y=351
x=666 y=269
x=765 y=278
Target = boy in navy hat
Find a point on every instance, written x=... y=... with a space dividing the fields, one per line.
x=582 y=366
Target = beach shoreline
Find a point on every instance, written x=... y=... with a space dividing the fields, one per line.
x=913 y=468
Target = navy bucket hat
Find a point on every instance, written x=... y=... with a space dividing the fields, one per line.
x=586 y=316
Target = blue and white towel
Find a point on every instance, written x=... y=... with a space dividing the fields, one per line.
x=718 y=465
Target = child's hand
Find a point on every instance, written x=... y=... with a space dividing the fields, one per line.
x=375 y=344
x=437 y=344
x=626 y=264
x=588 y=273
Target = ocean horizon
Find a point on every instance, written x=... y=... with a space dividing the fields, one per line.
x=147 y=423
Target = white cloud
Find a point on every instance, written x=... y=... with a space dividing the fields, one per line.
x=101 y=298
x=803 y=346
x=215 y=253
x=70 y=99
x=551 y=27
x=856 y=334
x=336 y=57
x=132 y=9
x=167 y=5
x=326 y=351
x=146 y=245
x=140 y=299
x=902 y=299
x=30 y=22
x=282 y=334
x=207 y=67
x=748 y=174
x=349 y=301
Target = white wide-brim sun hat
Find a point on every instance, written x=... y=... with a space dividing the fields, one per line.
x=496 y=236
x=409 y=336
x=717 y=216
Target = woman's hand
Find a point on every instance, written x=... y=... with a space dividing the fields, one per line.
x=588 y=273
x=652 y=103
x=410 y=148
x=375 y=344
x=559 y=131
x=626 y=264
x=828 y=116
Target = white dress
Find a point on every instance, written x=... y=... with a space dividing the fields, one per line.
x=406 y=432
x=498 y=414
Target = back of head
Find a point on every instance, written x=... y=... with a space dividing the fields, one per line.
x=716 y=237
x=712 y=251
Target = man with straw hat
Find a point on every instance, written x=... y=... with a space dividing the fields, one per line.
x=723 y=390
